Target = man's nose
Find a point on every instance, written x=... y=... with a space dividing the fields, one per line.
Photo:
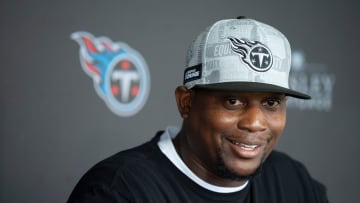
x=252 y=119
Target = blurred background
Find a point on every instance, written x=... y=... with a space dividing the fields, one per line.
x=54 y=125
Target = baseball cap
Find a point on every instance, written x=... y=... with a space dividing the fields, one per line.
x=240 y=55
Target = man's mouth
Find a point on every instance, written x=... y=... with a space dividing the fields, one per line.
x=245 y=147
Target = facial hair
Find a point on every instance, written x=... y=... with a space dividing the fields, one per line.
x=224 y=172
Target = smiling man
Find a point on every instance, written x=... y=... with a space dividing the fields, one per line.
x=226 y=136
x=233 y=105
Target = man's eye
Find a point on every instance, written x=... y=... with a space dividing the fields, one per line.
x=273 y=102
x=233 y=103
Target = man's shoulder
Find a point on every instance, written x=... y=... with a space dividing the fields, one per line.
x=117 y=172
x=282 y=171
x=132 y=159
x=122 y=165
x=135 y=156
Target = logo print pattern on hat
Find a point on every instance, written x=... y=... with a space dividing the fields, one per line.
x=240 y=55
x=255 y=54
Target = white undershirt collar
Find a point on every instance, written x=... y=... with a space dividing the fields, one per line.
x=168 y=149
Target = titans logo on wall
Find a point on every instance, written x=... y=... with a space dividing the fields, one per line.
x=120 y=74
x=256 y=55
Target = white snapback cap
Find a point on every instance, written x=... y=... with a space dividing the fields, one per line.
x=240 y=55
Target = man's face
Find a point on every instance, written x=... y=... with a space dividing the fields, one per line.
x=230 y=134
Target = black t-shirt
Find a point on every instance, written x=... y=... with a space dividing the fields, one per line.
x=145 y=174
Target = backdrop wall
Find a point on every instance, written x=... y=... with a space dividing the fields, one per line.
x=54 y=125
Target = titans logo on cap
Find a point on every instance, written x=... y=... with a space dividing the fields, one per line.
x=255 y=54
x=119 y=73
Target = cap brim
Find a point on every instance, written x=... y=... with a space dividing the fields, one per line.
x=253 y=87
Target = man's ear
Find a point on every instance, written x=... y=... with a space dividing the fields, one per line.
x=183 y=100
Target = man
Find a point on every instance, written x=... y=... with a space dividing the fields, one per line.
x=233 y=105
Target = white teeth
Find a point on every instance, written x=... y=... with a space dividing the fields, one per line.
x=245 y=146
x=237 y=143
x=248 y=147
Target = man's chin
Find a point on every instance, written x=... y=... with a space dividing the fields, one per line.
x=236 y=175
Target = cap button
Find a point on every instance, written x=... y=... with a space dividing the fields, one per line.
x=240 y=17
